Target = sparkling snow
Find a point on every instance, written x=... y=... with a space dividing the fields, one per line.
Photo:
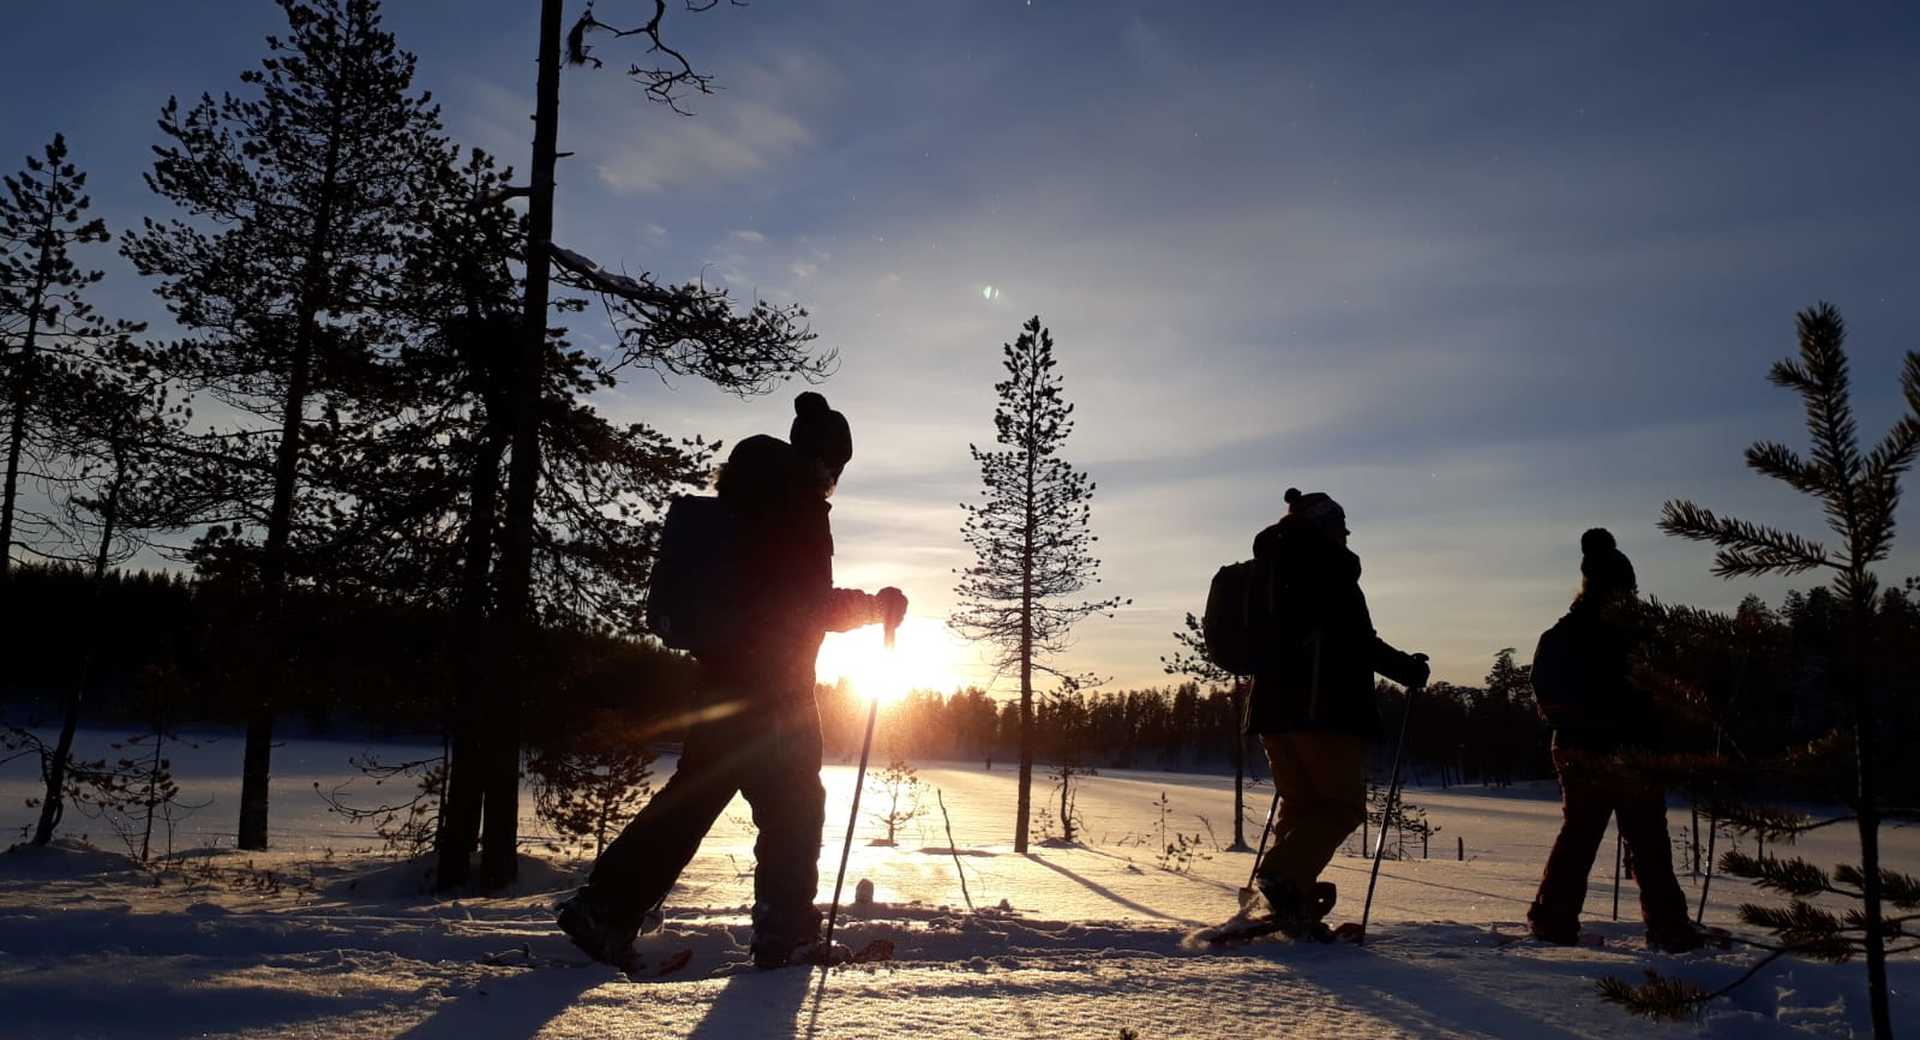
x=324 y=937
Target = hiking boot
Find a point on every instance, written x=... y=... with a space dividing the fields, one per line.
x=1682 y=938
x=594 y=930
x=1297 y=916
x=1547 y=929
x=775 y=952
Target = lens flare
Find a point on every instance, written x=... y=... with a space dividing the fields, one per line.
x=925 y=656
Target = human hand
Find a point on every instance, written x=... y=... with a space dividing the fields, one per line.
x=1421 y=672
x=893 y=606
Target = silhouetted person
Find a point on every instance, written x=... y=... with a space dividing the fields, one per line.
x=1313 y=705
x=1583 y=680
x=759 y=728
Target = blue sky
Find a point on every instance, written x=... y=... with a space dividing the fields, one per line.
x=1488 y=274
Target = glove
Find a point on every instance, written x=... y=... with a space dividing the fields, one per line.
x=1419 y=672
x=893 y=606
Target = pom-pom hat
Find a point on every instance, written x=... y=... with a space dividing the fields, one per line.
x=821 y=433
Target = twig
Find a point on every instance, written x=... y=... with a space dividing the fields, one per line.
x=954 y=849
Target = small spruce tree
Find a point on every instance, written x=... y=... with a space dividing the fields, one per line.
x=1859 y=491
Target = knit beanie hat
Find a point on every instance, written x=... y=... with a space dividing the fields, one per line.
x=1603 y=565
x=1317 y=509
x=821 y=433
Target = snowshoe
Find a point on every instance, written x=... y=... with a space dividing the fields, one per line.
x=1687 y=939
x=1286 y=914
x=817 y=952
x=590 y=929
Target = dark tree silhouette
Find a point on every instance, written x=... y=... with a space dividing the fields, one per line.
x=46 y=324
x=296 y=198
x=685 y=329
x=1032 y=538
x=1193 y=661
x=1859 y=492
x=112 y=421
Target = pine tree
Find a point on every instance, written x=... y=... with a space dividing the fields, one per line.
x=1859 y=493
x=46 y=325
x=673 y=329
x=296 y=197
x=111 y=422
x=1192 y=660
x=1031 y=538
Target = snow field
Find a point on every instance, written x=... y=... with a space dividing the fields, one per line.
x=347 y=946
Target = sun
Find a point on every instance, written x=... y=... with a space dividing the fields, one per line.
x=925 y=656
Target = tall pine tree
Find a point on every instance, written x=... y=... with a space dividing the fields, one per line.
x=1032 y=538
x=295 y=198
x=1859 y=491
x=47 y=328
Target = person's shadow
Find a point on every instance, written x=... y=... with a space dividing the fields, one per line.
x=516 y=1006
x=756 y=1004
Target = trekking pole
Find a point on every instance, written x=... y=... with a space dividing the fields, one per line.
x=1273 y=810
x=1393 y=794
x=1616 y=869
x=859 y=781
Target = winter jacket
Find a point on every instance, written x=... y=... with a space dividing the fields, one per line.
x=786 y=547
x=1320 y=675
x=1609 y=709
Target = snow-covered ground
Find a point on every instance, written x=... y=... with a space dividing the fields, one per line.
x=323 y=937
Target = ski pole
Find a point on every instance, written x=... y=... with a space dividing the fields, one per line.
x=1273 y=810
x=860 y=780
x=1393 y=792
x=1617 y=860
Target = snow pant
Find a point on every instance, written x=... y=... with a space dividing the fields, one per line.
x=1590 y=793
x=1321 y=778
x=764 y=749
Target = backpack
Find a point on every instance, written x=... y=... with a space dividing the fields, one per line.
x=1562 y=679
x=1244 y=616
x=693 y=597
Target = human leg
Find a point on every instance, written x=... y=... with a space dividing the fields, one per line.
x=1586 y=803
x=789 y=810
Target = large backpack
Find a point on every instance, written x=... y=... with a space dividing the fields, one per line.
x=1562 y=677
x=1245 y=615
x=693 y=597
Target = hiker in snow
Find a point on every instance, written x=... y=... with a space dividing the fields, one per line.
x=757 y=729
x=1313 y=705
x=1583 y=683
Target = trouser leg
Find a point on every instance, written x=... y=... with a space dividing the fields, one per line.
x=1328 y=800
x=1643 y=826
x=1290 y=784
x=637 y=870
x=789 y=810
x=1585 y=806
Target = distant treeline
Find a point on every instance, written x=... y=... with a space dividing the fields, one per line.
x=1755 y=682
x=191 y=651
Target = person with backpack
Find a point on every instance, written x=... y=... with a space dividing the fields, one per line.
x=1312 y=703
x=764 y=599
x=1582 y=680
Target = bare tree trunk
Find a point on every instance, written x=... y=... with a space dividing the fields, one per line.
x=1239 y=768
x=1864 y=750
x=1025 y=805
x=498 y=865
x=461 y=805
x=52 y=807
x=22 y=395
x=257 y=761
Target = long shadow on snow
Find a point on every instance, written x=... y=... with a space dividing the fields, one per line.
x=1381 y=983
x=1107 y=893
x=515 y=1006
x=756 y=1004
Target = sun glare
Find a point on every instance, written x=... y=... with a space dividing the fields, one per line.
x=925 y=657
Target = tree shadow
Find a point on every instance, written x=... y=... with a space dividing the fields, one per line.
x=1106 y=893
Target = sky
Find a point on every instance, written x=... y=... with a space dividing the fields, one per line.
x=1489 y=274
